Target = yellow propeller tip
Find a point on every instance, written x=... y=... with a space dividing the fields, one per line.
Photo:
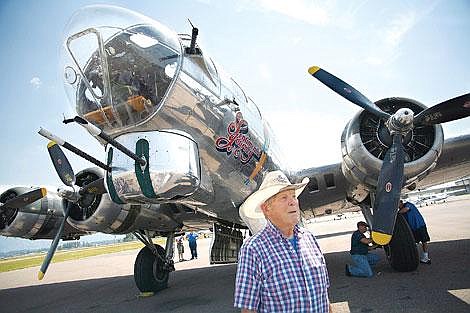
x=380 y=238
x=50 y=144
x=40 y=275
x=43 y=191
x=313 y=70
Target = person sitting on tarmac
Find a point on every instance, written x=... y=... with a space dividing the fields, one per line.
x=418 y=227
x=362 y=259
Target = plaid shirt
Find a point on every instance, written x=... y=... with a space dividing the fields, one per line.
x=273 y=277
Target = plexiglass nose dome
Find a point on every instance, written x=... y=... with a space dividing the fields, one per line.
x=117 y=65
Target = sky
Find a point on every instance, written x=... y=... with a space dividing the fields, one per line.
x=413 y=49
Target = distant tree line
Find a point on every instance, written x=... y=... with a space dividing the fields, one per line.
x=70 y=245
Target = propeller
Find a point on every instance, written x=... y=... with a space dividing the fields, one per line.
x=61 y=164
x=389 y=186
x=449 y=110
x=24 y=199
x=55 y=242
x=346 y=91
x=67 y=176
x=390 y=180
x=19 y=202
x=95 y=187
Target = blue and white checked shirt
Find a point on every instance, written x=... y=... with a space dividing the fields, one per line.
x=273 y=277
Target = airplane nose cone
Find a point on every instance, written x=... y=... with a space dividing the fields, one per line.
x=126 y=63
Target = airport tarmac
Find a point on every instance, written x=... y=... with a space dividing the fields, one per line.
x=105 y=283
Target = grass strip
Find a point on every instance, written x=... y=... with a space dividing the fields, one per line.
x=16 y=263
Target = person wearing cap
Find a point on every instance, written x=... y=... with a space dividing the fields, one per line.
x=418 y=227
x=362 y=259
x=281 y=267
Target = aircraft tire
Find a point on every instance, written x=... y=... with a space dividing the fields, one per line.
x=149 y=274
x=402 y=251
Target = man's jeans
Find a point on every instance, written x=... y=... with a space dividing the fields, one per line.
x=361 y=266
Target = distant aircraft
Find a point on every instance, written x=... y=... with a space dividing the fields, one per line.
x=431 y=199
x=185 y=146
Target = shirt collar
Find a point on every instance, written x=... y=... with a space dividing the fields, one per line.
x=272 y=229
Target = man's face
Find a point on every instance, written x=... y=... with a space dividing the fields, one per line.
x=362 y=228
x=282 y=209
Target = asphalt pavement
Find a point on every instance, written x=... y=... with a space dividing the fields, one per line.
x=105 y=283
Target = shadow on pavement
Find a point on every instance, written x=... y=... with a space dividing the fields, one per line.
x=424 y=290
x=211 y=289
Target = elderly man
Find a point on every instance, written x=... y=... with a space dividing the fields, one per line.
x=281 y=268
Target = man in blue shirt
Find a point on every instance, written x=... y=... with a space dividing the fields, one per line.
x=418 y=227
x=192 y=237
x=362 y=259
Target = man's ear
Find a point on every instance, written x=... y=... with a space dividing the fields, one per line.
x=264 y=207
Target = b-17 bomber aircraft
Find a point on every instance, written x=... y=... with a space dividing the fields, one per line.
x=185 y=146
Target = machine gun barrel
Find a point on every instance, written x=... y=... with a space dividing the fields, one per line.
x=45 y=133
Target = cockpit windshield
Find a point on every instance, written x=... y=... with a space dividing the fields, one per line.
x=127 y=73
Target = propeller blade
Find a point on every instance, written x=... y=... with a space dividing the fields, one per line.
x=449 y=110
x=95 y=187
x=55 y=242
x=61 y=164
x=346 y=91
x=388 y=193
x=23 y=200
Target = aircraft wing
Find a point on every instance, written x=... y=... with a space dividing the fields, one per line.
x=329 y=190
x=454 y=162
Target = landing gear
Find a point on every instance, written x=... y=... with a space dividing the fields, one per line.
x=153 y=264
x=402 y=252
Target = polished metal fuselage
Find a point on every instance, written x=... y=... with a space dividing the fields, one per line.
x=196 y=159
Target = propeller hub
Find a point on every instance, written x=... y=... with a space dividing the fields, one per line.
x=401 y=122
x=68 y=193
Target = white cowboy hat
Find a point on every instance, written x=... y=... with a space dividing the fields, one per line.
x=273 y=183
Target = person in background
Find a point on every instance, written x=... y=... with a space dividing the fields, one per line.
x=281 y=268
x=363 y=260
x=418 y=227
x=192 y=237
x=180 y=247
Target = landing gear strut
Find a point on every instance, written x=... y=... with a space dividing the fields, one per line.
x=153 y=264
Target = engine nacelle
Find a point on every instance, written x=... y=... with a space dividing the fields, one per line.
x=99 y=213
x=40 y=225
x=365 y=140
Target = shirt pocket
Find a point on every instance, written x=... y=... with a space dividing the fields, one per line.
x=280 y=285
x=314 y=266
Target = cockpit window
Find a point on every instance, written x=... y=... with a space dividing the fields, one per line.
x=127 y=79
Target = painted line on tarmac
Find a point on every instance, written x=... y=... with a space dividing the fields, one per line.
x=340 y=307
x=462 y=294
